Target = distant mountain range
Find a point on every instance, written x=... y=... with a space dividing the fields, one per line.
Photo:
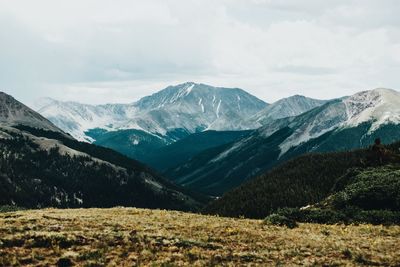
x=140 y=129
x=42 y=166
x=169 y=130
x=169 y=114
x=342 y=124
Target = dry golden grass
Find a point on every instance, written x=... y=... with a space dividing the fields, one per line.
x=139 y=237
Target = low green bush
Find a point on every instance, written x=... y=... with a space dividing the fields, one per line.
x=372 y=189
x=329 y=216
x=280 y=220
x=10 y=208
x=377 y=217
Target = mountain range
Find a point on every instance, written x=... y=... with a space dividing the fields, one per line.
x=42 y=166
x=212 y=139
x=140 y=129
x=169 y=114
x=341 y=124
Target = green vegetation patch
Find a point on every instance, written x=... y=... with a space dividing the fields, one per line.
x=367 y=196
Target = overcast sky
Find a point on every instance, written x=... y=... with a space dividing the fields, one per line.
x=98 y=51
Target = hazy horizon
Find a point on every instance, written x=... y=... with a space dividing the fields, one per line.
x=106 y=52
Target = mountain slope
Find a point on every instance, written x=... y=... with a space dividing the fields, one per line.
x=305 y=180
x=76 y=118
x=342 y=124
x=13 y=112
x=363 y=195
x=135 y=144
x=221 y=168
x=41 y=168
x=376 y=107
x=174 y=154
x=286 y=107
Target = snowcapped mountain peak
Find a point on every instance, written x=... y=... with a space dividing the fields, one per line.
x=201 y=106
x=190 y=91
x=167 y=96
x=374 y=96
x=379 y=105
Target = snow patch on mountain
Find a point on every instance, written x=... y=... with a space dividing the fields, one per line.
x=189 y=89
x=218 y=107
x=135 y=142
x=201 y=104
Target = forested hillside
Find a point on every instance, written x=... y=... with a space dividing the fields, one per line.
x=305 y=180
x=77 y=174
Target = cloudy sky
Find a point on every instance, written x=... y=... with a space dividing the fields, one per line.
x=99 y=51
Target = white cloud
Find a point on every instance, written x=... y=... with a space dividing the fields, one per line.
x=108 y=51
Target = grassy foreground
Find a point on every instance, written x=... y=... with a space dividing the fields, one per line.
x=139 y=237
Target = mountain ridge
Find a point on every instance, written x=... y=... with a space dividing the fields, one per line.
x=325 y=128
x=140 y=128
x=286 y=107
x=189 y=106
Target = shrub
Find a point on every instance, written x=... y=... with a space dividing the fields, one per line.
x=291 y=213
x=377 y=217
x=349 y=214
x=276 y=219
x=372 y=189
x=10 y=208
x=326 y=216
